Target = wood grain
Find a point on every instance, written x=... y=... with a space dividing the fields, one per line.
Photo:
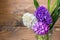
x=12 y=10
x=22 y=33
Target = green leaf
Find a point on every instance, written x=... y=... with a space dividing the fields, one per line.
x=36 y=4
x=53 y=6
x=49 y=4
x=56 y=18
x=55 y=15
x=59 y=2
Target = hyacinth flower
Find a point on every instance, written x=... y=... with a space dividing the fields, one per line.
x=46 y=19
x=41 y=28
x=43 y=15
x=43 y=20
x=29 y=20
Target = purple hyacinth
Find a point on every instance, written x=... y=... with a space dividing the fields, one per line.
x=43 y=15
x=40 y=28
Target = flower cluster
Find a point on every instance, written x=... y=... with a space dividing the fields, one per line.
x=42 y=14
x=39 y=22
x=44 y=20
x=29 y=20
x=40 y=28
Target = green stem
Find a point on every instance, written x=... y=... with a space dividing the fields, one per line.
x=47 y=37
x=43 y=37
x=49 y=4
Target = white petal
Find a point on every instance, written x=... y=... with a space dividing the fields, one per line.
x=29 y=19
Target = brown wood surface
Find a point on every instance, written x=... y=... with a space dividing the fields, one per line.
x=22 y=33
x=11 y=10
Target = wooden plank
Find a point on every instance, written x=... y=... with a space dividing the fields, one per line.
x=22 y=33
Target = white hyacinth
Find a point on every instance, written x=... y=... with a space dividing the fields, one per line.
x=29 y=20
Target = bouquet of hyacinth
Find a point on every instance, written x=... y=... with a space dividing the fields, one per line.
x=43 y=19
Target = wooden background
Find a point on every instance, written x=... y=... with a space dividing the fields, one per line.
x=11 y=12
